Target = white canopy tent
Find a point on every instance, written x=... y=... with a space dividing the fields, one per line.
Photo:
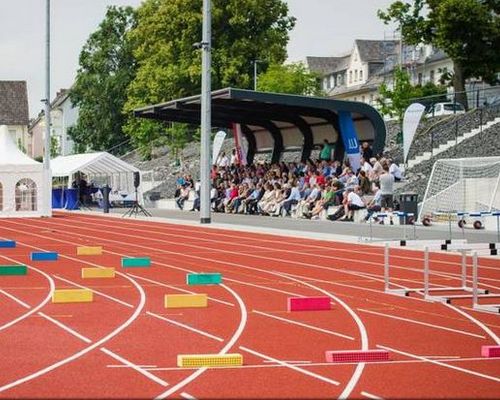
x=21 y=181
x=100 y=168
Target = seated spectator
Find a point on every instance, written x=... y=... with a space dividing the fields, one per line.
x=292 y=199
x=375 y=205
x=183 y=196
x=395 y=171
x=352 y=202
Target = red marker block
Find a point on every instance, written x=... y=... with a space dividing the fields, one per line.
x=357 y=356
x=308 y=303
x=490 y=351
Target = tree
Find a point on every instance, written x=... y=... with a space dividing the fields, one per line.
x=107 y=67
x=170 y=66
x=290 y=78
x=394 y=102
x=467 y=30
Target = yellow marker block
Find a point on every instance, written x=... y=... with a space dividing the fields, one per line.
x=72 y=296
x=185 y=300
x=98 y=273
x=209 y=360
x=89 y=251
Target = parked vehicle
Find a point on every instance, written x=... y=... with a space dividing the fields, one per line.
x=440 y=109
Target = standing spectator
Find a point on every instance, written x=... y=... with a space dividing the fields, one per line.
x=366 y=151
x=364 y=183
x=326 y=151
x=387 y=191
x=395 y=171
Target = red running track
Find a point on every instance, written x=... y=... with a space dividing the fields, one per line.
x=125 y=343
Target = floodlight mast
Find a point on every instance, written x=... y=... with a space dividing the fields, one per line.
x=47 y=176
x=205 y=115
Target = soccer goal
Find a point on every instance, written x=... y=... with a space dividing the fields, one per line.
x=462 y=185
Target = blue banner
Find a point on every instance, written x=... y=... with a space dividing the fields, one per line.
x=350 y=138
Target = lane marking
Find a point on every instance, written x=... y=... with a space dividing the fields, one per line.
x=18 y=301
x=185 y=395
x=135 y=367
x=371 y=396
x=290 y=361
x=421 y=323
x=66 y=328
x=304 y=325
x=127 y=366
x=95 y=291
x=291 y=366
x=225 y=349
x=190 y=328
x=442 y=364
x=177 y=288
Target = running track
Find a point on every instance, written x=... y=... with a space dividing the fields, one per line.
x=125 y=343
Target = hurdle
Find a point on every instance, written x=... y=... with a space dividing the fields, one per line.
x=426 y=289
x=72 y=296
x=309 y=303
x=209 y=360
x=204 y=279
x=13 y=270
x=186 y=300
x=89 y=251
x=7 y=244
x=490 y=248
x=88 y=273
x=355 y=356
x=494 y=308
x=44 y=256
x=128 y=262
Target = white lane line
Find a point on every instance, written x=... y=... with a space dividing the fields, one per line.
x=147 y=374
x=185 y=395
x=422 y=323
x=40 y=305
x=66 y=328
x=371 y=396
x=264 y=287
x=177 y=288
x=190 y=328
x=442 y=364
x=127 y=366
x=95 y=291
x=18 y=301
x=315 y=328
x=291 y=366
x=478 y=323
x=290 y=361
x=272 y=364
x=225 y=349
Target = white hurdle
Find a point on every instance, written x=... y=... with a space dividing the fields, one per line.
x=426 y=289
x=495 y=308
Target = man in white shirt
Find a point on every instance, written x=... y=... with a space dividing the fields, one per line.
x=292 y=199
x=352 y=202
x=395 y=171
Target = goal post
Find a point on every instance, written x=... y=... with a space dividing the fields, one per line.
x=462 y=185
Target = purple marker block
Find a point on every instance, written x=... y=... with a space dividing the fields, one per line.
x=490 y=351
x=308 y=303
x=357 y=356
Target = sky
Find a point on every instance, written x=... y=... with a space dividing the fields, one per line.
x=323 y=28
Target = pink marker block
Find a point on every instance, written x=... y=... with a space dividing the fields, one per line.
x=490 y=351
x=357 y=356
x=308 y=303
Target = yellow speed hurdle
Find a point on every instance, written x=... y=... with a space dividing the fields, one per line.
x=98 y=273
x=89 y=250
x=72 y=296
x=185 y=300
x=209 y=360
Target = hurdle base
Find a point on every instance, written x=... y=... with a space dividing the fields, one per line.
x=398 y=292
x=490 y=308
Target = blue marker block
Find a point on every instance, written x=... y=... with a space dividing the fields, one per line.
x=44 y=256
x=7 y=244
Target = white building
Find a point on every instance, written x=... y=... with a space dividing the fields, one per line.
x=63 y=116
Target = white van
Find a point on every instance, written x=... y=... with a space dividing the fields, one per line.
x=439 y=109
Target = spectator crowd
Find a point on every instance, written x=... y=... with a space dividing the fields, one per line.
x=324 y=188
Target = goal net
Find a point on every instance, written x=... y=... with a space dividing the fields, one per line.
x=463 y=185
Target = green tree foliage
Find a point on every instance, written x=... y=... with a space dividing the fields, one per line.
x=289 y=78
x=467 y=30
x=394 y=101
x=169 y=66
x=106 y=69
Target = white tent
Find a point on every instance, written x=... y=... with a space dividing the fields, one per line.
x=21 y=181
x=100 y=168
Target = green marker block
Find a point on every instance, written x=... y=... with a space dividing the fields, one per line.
x=13 y=270
x=136 y=262
x=204 y=279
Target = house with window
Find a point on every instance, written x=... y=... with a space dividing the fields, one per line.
x=14 y=112
x=63 y=116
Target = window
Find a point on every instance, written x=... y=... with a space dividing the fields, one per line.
x=431 y=76
x=350 y=76
x=361 y=75
x=371 y=99
x=332 y=81
x=325 y=83
x=1 y=196
x=420 y=78
x=26 y=195
x=363 y=99
x=356 y=75
x=355 y=99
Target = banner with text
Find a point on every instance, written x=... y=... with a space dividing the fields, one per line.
x=350 y=139
x=410 y=123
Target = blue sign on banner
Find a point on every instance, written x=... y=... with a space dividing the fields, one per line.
x=350 y=138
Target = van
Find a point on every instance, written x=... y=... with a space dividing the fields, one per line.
x=440 y=109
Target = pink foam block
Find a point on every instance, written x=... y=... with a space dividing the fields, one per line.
x=357 y=356
x=308 y=303
x=490 y=351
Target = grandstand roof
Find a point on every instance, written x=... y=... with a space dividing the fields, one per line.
x=276 y=122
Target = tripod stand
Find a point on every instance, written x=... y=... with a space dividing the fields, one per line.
x=136 y=208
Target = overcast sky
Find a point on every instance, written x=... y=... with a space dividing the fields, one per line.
x=323 y=28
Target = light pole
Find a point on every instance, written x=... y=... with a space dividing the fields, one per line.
x=255 y=62
x=205 y=115
x=47 y=176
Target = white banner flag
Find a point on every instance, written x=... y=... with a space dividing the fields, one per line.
x=217 y=145
x=410 y=123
